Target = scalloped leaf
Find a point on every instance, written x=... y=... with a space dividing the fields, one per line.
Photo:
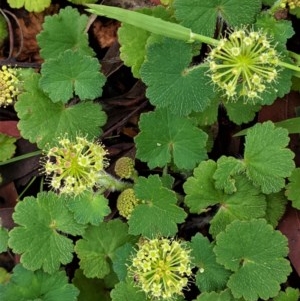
x=72 y=73
x=53 y=40
x=124 y=291
x=7 y=146
x=88 y=207
x=293 y=188
x=171 y=83
x=268 y=162
x=255 y=252
x=200 y=188
x=281 y=30
x=214 y=296
x=211 y=276
x=176 y=140
x=158 y=214
x=246 y=203
x=276 y=206
x=240 y=112
x=290 y=294
x=97 y=246
x=133 y=40
x=227 y=169
x=201 y=16
x=31 y=6
x=42 y=121
x=28 y=285
x=40 y=236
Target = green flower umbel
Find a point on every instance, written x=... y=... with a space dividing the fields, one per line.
x=292 y=4
x=161 y=268
x=9 y=86
x=244 y=64
x=73 y=167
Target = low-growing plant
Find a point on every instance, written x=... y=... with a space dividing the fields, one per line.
x=125 y=232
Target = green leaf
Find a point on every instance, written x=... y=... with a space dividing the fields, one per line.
x=88 y=207
x=268 y=162
x=42 y=121
x=40 y=236
x=171 y=83
x=255 y=252
x=293 y=188
x=201 y=16
x=133 y=40
x=214 y=296
x=276 y=206
x=240 y=112
x=227 y=168
x=90 y=289
x=281 y=30
x=158 y=214
x=124 y=291
x=97 y=246
x=290 y=294
x=122 y=259
x=246 y=203
x=176 y=140
x=72 y=72
x=7 y=146
x=28 y=285
x=82 y=1
x=63 y=31
x=211 y=276
x=31 y=6
x=3 y=239
x=200 y=189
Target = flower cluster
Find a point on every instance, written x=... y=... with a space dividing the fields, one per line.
x=243 y=64
x=73 y=167
x=291 y=3
x=126 y=202
x=9 y=86
x=124 y=168
x=161 y=268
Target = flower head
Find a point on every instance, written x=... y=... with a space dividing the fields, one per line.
x=243 y=64
x=9 y=86
x=292 y=4
x=126 y=202
x=124 y=168
x=161 y=268
x=73 y=166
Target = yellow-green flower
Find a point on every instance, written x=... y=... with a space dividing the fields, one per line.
x=126 y=202
x=9 y=86
x=124 y=168
x=73 y=166
x=244 y=64
x=161 y=267
x=292 y=4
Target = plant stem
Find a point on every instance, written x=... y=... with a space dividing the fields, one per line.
x=22 y=157
x=289 y=66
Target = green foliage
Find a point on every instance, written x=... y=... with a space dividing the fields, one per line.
x=41 y=120
x=3 y=30
x=159 y=213
x=276 y=205
x=72 y=72
x=3 y=239
x=28 y=285
x=97 y=246
x=124 y=291
x=213 y=296
x=7 y=145
x=211 y=276
x=202 y=16
x=293 y=188
x=267 y=159
x=172 y=142
x=53 y=39
x=257 y=260
x=290 y=294
x=88 y=207
x=171 y=83
x=32 y=6
x=40 y=234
